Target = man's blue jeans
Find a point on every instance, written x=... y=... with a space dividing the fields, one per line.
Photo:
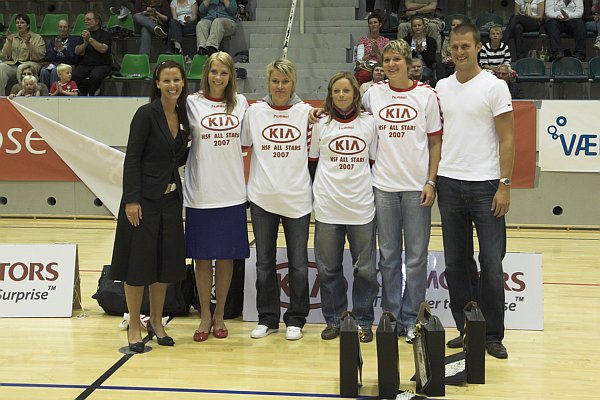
x=329 y=252
x=398 y=213
x=462 y=203
x=265 y=226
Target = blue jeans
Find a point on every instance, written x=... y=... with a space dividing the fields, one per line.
x=145 y=26
x=593 y=26
x=398 y=212
x=48 y=76
x=329 y=252
x=461 y=204
x=266 y=226
x=176 y=30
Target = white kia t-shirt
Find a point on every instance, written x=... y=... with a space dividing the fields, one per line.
x=214 y=172
x=279 y=181
x=343 y=188
x=405 y=118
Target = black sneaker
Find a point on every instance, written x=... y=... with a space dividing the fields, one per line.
x=160 y=32
x=456 y=343
x=202 y=51
x=496 y=349
x=331 y=332
x=212 y=50
x=365 y=335
x=115 y=10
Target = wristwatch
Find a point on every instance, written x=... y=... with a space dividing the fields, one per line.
x=431 y=183
x=505 y=181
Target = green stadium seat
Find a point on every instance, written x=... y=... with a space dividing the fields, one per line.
x=197 y=67
x=78 y=26
x=594 y=69
x=531 y=70
x=134 y=66
x=178 y=58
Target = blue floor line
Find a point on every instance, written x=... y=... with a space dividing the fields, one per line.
x=178 y=390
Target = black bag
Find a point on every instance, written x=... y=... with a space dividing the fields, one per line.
x=350 y=357
x=111 y=295
x=429 y=351
x=388 y=370
x=474 y=343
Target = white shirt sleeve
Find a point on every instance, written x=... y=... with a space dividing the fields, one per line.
x=366 y=102
x=313 y=153
x=374 y=140
x=501 y=101
x=433 y=114
x=245 y=136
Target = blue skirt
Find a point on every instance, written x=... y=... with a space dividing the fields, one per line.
x=216 y=233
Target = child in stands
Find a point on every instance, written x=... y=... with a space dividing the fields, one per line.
x=65 y=85
x=495 y=52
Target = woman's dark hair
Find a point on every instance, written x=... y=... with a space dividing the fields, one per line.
x=375 y=14
x=25 y=18
x=155 y=92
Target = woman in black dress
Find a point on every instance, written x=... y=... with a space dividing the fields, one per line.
x=149 y=245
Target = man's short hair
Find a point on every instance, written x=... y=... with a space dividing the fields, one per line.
x=24 y=17
x=465 y=28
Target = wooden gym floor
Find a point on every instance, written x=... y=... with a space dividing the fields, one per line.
x=68 y=358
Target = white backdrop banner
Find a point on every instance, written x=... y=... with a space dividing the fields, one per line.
x=37 y=280
x=569 y=136
x=522 y=285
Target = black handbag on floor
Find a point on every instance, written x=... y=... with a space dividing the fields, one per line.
x=110 y=295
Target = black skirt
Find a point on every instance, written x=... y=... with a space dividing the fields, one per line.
x=154 y=251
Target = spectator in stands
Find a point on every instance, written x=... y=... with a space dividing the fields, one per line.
x=344 y=206
x=214 y=192
x=184 y=15
x=28 y=70
x=370 y=47
x=218 y=21
x=393 y=10
x=29 y=87
x=60 y=50
x=377 y=74
x=95 y=58
x=425 y=9
x=119 y=7
x=151 y=18
x=506 y=73
x=564 y=16
x=404 y=176
x=64 y=86
x=593 y=21
x=422 y=46
x=24 y=48
x=528 y=17
x=279 y=189
x=447 y=62
x=149 y=247
x=416 y=72
x=494 y=52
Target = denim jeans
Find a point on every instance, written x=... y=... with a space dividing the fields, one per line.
x=266 y=226
x=461 y=204
x=399 y=212
x=48 y=76
x=145 y=26
x=329 y=251
x=593 y=26
x=176 y=30
x=574 y=27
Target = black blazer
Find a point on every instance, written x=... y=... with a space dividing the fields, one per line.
x=153 y=156
x=428 y=55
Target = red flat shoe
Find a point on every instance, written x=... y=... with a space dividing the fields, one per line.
x=200 y=336
x=220 y=333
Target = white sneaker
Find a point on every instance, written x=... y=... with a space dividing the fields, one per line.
x=261 y=331
x=597 y=44
x=293 y=333
x=410 y=334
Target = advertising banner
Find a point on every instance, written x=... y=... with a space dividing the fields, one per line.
x=524 y=297
x=569 y=136
x=37 y=280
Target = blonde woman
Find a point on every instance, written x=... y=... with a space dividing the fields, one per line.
x=279 y=190
x=215 y=190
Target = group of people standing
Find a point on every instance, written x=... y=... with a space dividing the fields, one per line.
x=380 y=161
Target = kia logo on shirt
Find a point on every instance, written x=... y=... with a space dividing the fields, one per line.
x=281 y=133
x=220 y=122
x=347 y=145
x=398 y=113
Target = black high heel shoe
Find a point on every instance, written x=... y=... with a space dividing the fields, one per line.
x=163 y=341
x=137 y=347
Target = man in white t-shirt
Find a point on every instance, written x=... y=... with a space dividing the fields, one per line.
x=473 y=185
